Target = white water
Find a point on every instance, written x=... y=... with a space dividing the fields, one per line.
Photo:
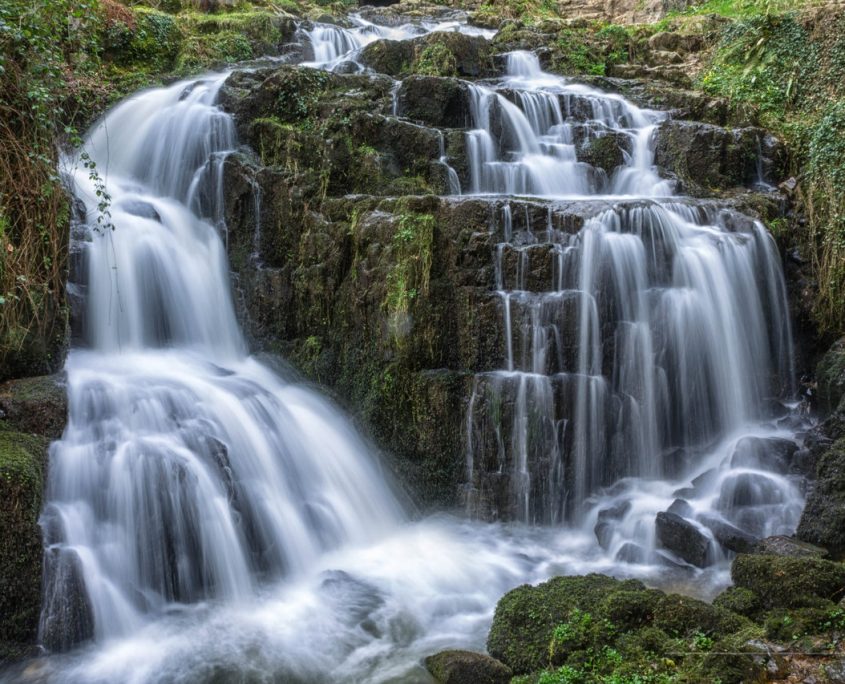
x=532 y=148
x=220 y=521
x=334 y=45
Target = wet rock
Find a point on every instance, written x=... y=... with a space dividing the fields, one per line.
x=467 y=667
x=434 y=101
x=707 y=158
x=680 y=507
x=683 y=538
x=605 y=152
x=36 y=405
x=607 y=517
x=788 y=582
x=23 y=463
x=729 y=536
x=823 y=520
x=631 y=553
x=764 y=453
x=142 y=209
x=781 y=545
x=749 y=489
x=830 y=379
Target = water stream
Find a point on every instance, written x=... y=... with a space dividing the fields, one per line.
x=210 y=519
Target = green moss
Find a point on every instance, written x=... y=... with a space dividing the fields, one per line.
x=435 y=60
x=527 y=616
x=410 y=275
x=738 y=600
x=22 y=465
x=785 y=582
x=151 y=39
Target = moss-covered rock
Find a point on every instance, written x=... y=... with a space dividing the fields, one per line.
x=738 y=600
x=823 y=520
x=435 y=54
x=527 y=616
x=707 y=158
x=35 y=405
x=466 y=667
x=830 y=378
x=22 y=472
x=782 y=582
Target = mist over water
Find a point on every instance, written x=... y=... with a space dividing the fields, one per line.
x=207 y=517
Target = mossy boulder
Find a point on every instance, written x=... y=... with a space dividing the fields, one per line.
x=783 y=582
x=830 y=379
x=466 y=667
x=435 y=54
x=526 y=617
x=823 y=520
x=738 y=600
x=35 y=405
x=707 y=158
x=595 y=628
x=22 y=474
x=434 y=101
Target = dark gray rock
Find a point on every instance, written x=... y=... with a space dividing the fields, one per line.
x=434 y=101
x=684 y=539
x=729 y=536
x=764 y=453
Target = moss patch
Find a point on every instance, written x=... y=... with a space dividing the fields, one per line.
x=22 y=466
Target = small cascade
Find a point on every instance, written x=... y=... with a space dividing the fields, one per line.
x=187 y=471
x=334 y=45
x=525 y=129
x=640 y=342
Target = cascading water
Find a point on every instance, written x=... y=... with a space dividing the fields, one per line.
x=333 y=45
x=525 y=131
x=208 y=520
x=188 y=471
x=639 y=346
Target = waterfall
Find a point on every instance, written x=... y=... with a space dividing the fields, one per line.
x=188 y=471
x=639 y=347
x=209 y=519
x=524 y=130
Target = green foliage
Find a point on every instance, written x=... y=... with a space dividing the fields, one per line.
x=409 y=278
x=436 y=60
x=764 y=62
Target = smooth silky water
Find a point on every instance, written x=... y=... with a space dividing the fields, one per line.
x=209 y=519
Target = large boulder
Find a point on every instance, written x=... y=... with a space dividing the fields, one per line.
x=35 y=405
x=526 y=616
x=466 y=667
x=435 y=54
x=729 y=536
x=830 y=379
x=787 y=582
x=434 y=101
x=708 y=158
x=823 y=520
x=23 y=460
x=684 y=538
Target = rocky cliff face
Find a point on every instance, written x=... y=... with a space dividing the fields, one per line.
x=347 y=264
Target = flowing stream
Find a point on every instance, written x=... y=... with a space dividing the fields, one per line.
x=211 y=519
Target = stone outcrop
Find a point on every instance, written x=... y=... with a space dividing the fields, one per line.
x=32 y=412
